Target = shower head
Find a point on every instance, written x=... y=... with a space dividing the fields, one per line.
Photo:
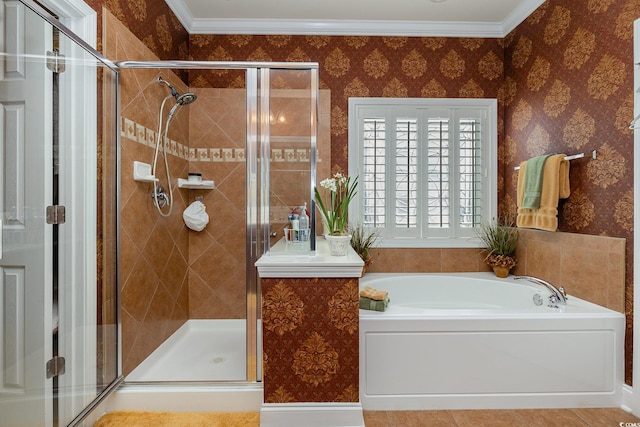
x=186 y=98
x=181 y=99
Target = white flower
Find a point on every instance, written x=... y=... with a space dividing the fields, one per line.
x=329 y=184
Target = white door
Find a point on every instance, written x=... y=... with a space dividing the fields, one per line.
x=25 y=191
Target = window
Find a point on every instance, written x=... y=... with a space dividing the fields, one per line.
x=427 y=168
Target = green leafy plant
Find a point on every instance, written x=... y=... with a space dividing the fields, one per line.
x=500 y=241
x=341 y=190
x=362 y=240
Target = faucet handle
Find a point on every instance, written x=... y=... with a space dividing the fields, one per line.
x=563 y=292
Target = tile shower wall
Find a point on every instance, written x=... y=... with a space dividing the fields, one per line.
x=217 y=259
x=153 y=249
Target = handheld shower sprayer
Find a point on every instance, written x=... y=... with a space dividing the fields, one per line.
x=181 y=99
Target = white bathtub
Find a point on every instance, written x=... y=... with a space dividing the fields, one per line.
x=472 y=341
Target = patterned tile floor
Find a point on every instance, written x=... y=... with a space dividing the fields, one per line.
x=508 y=418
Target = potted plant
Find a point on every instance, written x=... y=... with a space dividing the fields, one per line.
x=362 y=240
x=500 y=241
x=335 y=210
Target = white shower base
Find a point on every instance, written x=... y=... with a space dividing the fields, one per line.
x=200 y=350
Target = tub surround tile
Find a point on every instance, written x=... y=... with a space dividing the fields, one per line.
x=421 y=259
x=427 y=260
x=544 y=260
x=589 y=267
x=615 y=298
x=388 y=260
x=461 y=260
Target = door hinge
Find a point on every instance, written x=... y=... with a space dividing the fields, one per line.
x=55 y=367
x=55 y=62
x=56 y=214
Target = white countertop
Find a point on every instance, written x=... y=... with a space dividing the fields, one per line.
x=291 y=260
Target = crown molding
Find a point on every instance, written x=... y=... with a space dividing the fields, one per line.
x=338 y=27
x=345 y=28
x=182 y=12
x=519 y=14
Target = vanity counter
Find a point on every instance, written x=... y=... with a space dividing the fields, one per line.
x=288 y=260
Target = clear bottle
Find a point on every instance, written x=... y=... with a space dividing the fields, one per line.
x=303 y=222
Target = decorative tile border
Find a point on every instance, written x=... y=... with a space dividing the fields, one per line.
x=137 y=132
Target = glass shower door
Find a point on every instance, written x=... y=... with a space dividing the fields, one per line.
x=292 y=150
x=55 y=257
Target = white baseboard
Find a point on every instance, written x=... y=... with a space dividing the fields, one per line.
x=628 y=400
x=311 y=415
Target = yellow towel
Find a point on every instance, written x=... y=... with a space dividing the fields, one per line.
x=555 y=185
x=373 y=293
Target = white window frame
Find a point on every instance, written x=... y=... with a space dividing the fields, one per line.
x=487 y=109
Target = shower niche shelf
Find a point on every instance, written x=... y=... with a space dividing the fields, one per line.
x=200 y=185
x=142 y=172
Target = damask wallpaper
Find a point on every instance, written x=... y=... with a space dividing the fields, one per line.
x=152 y=21
x=311 y=340
x=568 y=88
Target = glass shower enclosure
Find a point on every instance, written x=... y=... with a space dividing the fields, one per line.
x=253 y=150
x=59 y=334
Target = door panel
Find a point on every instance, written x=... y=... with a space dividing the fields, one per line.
x=25 y=187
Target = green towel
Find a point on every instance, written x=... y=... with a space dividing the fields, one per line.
x=371 y=304
x=533 y=182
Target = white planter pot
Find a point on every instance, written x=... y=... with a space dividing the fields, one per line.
x=338 y=245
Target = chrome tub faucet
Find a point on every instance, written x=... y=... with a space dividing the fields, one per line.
x=558 y=296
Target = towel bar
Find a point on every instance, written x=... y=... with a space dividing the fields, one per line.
x=572 y=157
